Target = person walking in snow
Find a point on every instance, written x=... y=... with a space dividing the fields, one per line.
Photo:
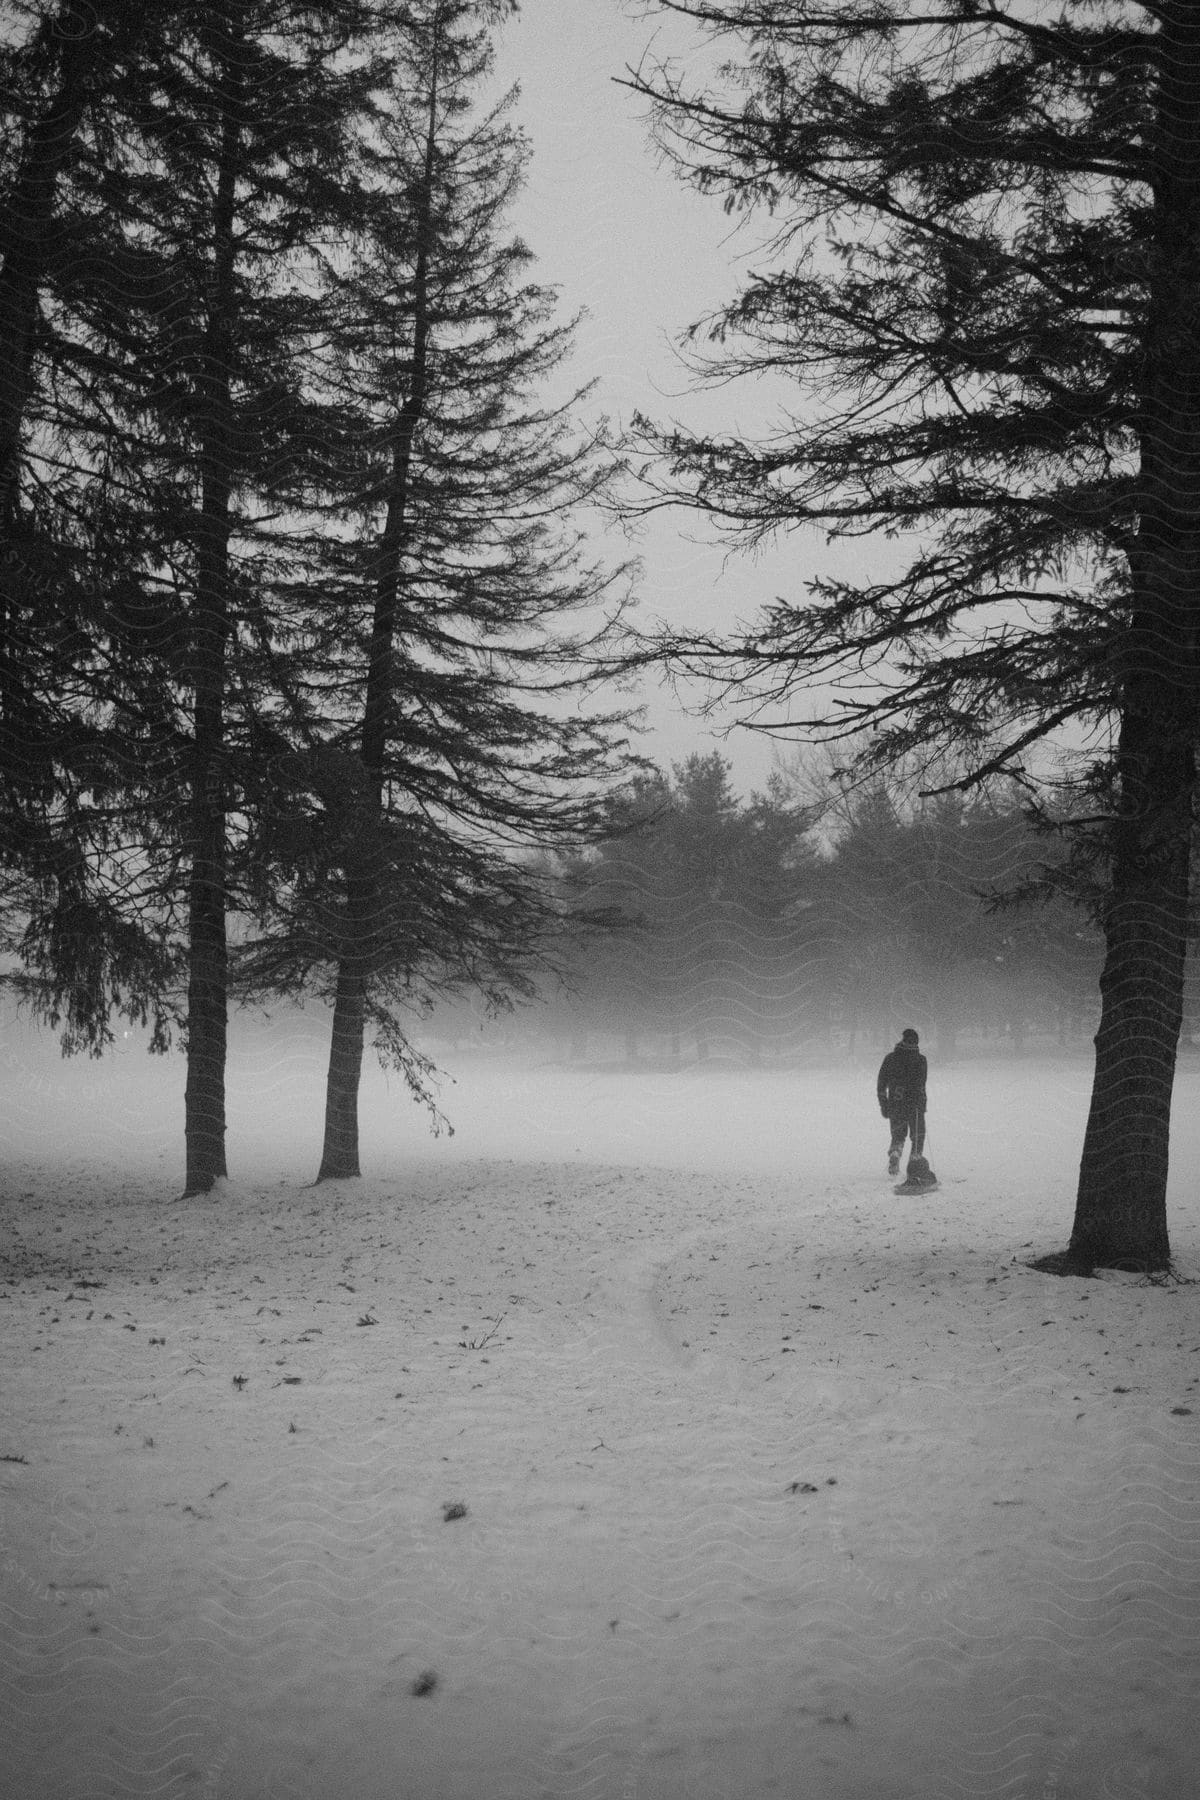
x=901 y=1091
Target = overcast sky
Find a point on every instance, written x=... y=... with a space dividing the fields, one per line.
x=619 y=235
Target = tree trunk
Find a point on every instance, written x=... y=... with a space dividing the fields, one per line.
x=339 y=1154
x=1121 y=1216
x=208 y=956
x=1121 y=1206
x=204 y=1093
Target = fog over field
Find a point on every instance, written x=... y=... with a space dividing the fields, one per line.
x=522 y=1100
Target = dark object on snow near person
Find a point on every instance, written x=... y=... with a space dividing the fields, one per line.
x=900 y=1088
x=919 y=1178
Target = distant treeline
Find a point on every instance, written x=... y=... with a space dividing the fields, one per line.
x=782 y=928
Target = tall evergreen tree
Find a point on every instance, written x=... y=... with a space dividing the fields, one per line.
x=982 y=280
x=446 y=675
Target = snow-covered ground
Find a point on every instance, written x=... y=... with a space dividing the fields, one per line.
x=637 y=1442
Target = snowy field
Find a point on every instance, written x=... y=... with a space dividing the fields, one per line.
x=637 y=1442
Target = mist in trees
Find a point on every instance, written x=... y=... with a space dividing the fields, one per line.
x=806 y=924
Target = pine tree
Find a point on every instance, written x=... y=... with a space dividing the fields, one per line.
x=75 y=661
x=445 y=738
x=982 y=281
x=54 y=78
x=687 y=920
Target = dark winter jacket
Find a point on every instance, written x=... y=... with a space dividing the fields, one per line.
x=901 y=1084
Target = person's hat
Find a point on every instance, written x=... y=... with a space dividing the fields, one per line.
x=909 y=1036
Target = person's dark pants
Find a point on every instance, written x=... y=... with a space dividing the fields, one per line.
x=909 y=1123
